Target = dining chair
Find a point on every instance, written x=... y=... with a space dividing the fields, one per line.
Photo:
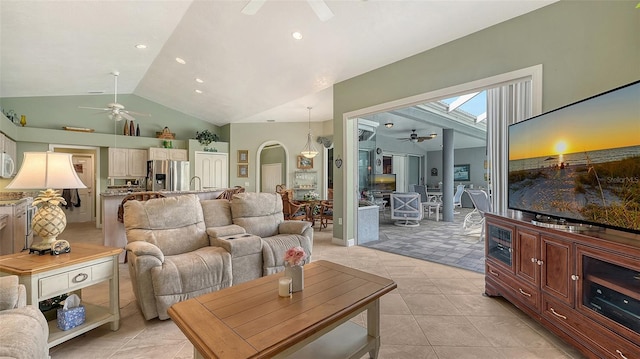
x=326 y=214
x=430 y=204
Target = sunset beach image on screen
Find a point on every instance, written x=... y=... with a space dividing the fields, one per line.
x=580 y=162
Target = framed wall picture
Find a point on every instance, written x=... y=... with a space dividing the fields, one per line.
x=243 y=156
x=304 y=163
x=462 y=172
x=243 y=170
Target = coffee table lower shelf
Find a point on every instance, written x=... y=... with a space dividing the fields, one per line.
x=349 y=340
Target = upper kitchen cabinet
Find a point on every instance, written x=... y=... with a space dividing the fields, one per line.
x=127 y=162
x=174 y=154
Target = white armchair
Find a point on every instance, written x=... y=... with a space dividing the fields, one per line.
x=406 y=208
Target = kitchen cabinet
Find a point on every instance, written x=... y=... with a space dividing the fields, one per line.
x=583 y=286
x=212 y=168
x=174 y=154
x=127 y=162
x=15 y=236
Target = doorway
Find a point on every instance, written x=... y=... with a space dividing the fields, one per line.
x=85 y=160
x=271 y=152
x=533 y=75
x=80 y=202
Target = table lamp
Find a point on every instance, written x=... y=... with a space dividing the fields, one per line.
x=47 y=170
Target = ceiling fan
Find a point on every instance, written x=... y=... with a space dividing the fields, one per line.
x=319 y=7
x=116 y=110
x=415 y=138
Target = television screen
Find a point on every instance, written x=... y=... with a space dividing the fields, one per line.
x=383 y=182
x=580 y=162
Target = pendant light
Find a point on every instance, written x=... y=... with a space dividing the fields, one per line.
x=309 y=150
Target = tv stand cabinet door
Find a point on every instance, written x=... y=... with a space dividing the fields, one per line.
x=557 y=269
x=528 y=261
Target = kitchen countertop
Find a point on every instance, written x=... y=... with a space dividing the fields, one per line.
x=11 y=202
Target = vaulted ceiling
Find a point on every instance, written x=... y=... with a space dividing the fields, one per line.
x=252 y=69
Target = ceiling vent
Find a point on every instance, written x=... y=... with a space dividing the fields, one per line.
x=366 y=129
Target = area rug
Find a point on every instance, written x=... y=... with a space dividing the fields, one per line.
x=440 y=242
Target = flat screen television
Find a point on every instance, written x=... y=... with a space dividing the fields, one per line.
x=383 y=182
x=580 y=163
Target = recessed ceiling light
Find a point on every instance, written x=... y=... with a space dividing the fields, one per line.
x=141 y=46
x=200 y=81
x=180 y=61
x=198 y=91
x=297 y=35
x=388 y=124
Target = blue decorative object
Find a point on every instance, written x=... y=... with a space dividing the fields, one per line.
x=71 y=318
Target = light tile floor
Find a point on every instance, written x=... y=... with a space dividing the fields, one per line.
x=437 y=311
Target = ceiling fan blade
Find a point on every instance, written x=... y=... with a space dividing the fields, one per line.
x=252 y=7
x=95 y=108
x=321 y=9
x=126 y=115
x=136 y=113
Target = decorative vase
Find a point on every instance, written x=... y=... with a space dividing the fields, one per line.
x=23 y=120
x=296 y=273
x=125 y=130
x=138 y=130
x=132 y=129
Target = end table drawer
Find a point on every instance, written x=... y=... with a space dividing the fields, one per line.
x=74 y=279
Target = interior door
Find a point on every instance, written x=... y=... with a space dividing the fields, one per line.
x=82 y=209
x=271 y=177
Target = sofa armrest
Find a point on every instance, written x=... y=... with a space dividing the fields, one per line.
x=293 y=227
x=225 y=231
x=12 y=294
x=141 y=248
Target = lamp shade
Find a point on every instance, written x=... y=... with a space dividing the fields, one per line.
x=46 y=170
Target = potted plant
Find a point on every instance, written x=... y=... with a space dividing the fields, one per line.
x=205 y=138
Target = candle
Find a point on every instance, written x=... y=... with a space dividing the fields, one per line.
x=284 y=287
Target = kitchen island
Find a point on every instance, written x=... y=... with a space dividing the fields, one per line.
x=113 y=233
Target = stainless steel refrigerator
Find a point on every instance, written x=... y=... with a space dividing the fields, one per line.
x=165 y=175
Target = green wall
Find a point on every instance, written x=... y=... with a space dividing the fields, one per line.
x=250 y=136
x=585 y=47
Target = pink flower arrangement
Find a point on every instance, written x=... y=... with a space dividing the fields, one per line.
x=295 y=256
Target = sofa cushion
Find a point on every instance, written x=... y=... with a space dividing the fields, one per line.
x=189 y=275
x=257 y=213
x=217 y=212
x=173 y=224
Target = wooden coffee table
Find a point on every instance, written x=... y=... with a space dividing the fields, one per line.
x=250 y=320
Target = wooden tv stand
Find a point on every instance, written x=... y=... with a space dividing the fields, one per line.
x=583 y=286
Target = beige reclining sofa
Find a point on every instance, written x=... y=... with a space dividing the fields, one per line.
x=179 y=247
